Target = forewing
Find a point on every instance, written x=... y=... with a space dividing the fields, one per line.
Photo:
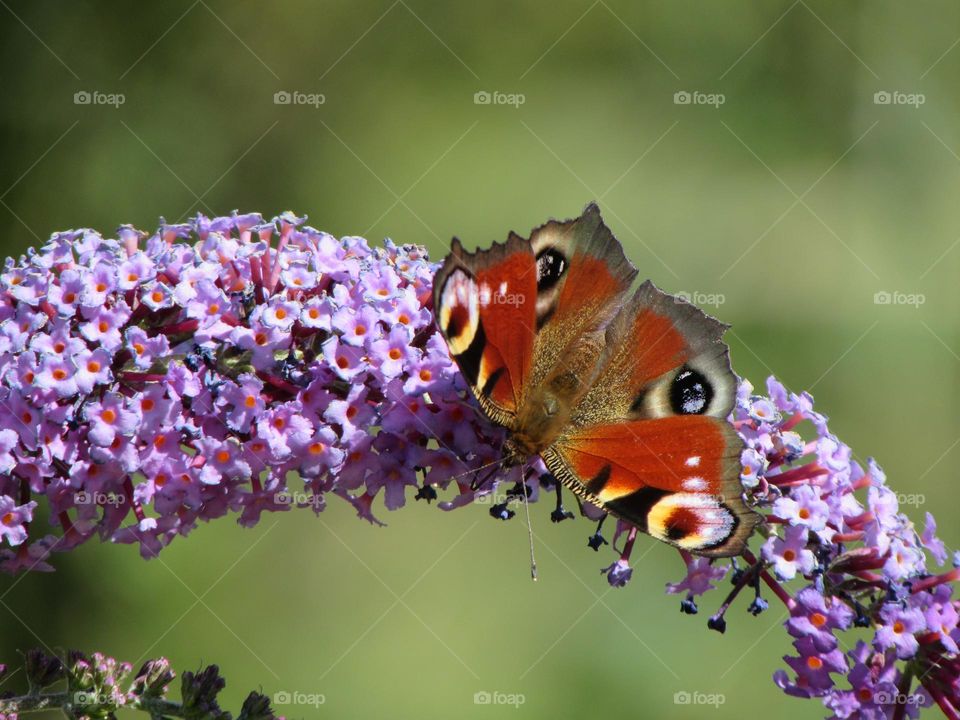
x=485 y=308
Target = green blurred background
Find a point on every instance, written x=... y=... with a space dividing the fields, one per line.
x=797 y=200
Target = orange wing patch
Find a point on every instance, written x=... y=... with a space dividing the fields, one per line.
x=676 y=478
x=485 y=308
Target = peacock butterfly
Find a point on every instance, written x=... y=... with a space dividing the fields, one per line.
x=625 y=398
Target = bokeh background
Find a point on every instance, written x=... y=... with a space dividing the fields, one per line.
x=787 y=193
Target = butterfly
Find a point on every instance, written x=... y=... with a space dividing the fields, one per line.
x=624 y=397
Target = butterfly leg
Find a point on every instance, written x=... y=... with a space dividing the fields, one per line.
x=596 y=540
x=559 y=514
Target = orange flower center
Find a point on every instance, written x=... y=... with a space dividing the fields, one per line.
x=101 y=287
x=59 y=347
x=223 y=456
x=156 y=296
x=317 y=448
x=9 y=519
x=395 y=354
x=281 y=313
x=132 y=277
x=425 y=375
x=109 y=416
x=59 y=374
x=160 y=480
x=250 y=401
x=93 y=366
x=898 y=627
x=138 y=348
x=351 y=412
x=818 y=619
x=789 y=555
x=342 y=363
x=360 y=330
x=814 y=663
x=313 y=313
x=102 y=326
x=147 y=404
x=804 y=514
x=260 y=338
x=213 y=309
x=70 y=297
x=403 y=319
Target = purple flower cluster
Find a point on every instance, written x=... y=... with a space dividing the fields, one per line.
x=836 y=526
x=97 y=686
x=152 y=381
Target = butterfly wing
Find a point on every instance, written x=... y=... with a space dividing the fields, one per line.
x=485 y=305
x=510 y=314
x=649 y=441
x=582 y=279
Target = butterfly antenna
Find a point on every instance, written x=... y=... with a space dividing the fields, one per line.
x=526 y=507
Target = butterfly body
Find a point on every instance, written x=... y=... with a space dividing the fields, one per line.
x=625 y=398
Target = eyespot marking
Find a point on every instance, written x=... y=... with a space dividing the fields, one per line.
x=690 y=392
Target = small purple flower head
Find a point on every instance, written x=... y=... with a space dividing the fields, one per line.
x=899 y=629
x=392 y=354
x=618 y=574
x=789 y=554
x=109 y=417
x=818 y=618
x=702 y=574
x=356 y=326
x=804 y=507
x=931 y=542
x=145 y=349
x=813 y=669
x=13 y=519
x=135 y=271
x=103 y=325
x=92 y=369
